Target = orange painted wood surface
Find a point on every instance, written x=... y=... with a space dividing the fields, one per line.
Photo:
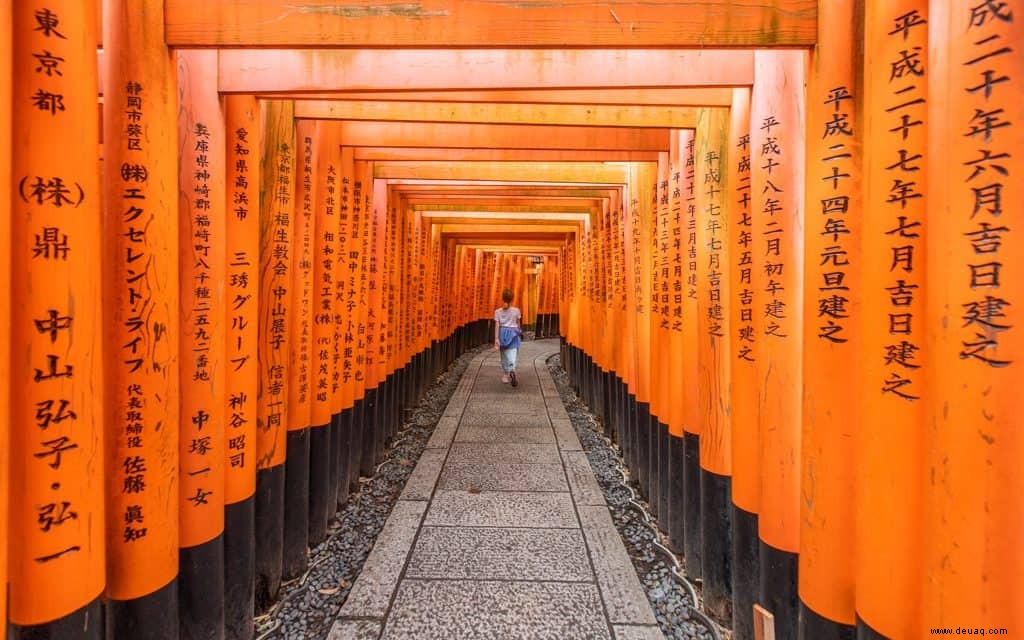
x=57 y=557
x=890 y=447
x=303 y=244
x=141 y=299
x=317 y=70
x=277 y=182
x=481 y=156
x=777 y=163
x=691 y=292
x=691 y=96
x=467 y=23
x=202 y=269
x=676 y=277
x=832 y=317
x=974 y=515
x=589 y=173
x=6 y=70
x=243 y=240
x=746 y=454
x=325 y=348
x=516 y=113
x=501 y=136
x=713 y=326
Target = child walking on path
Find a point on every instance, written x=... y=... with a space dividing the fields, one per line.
x=507 y=335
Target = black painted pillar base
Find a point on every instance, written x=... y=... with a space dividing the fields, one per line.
x=865 y=632
x=201 y=590
x=344 y=450
x=321 y=506
x=355 y=453
x=654 y=470
x=664 y=476
x=633 y=435
x=337 y=466
x=677 y=510
x=608 y=396
x=716 y=541
x=641 y=468
x=369 y=425
x=817 y=627
x=778 y=589
x=746 y=572
x=296 y=504
x=84 y=624
x=692 y=543
x=239 y=569
x=270 y=533
x=151 y=617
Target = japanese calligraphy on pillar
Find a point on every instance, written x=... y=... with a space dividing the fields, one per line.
x=986 y=125
x=56 y=372
x=276 y=211
x=715 y=230
x=242 y=247
x=302 y=278
x=743 y=222
x=833 y=267
x=664 y=248
x=202 y=264
x=773 y=241
x=325 y=287
x=903 y=204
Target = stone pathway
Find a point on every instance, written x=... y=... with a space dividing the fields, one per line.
x=501 y=530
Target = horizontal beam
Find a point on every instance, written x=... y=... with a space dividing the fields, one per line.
x=521 y=113
x=497 y=136
x=482 y=23
x=317 y=70
x=529 y=172
x=513 y=155
x=662 y=96
x=506 y=228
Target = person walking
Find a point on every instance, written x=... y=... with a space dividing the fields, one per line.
x=507 y=335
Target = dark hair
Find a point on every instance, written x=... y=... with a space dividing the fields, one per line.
x=507 y=295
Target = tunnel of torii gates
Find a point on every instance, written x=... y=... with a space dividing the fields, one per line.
x=778 y=239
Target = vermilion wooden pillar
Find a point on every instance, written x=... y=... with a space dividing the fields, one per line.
x=276 y=211
x=324 y=446
x=660 y=311
x=714 y=358
x=974 y=516
x=202 y=267
x=777 y=163
x=296 y=492
x=678 y=155
x=140 y=148
x=6 y=69
x=643 y=177
x=692 y=422
x=242 y=182
x=744 y=327
x=372 y=260
x=890 y=446
x=832 y=316
x=56 y=492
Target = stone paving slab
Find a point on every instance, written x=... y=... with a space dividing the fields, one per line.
x=566 y=436
x=507 y=610
x=443 y=434
x=486 y=453
x=582 y=483
x=462 y=553
x=502 y=509
x=637 y=632
x=484 y=404
x=371 y=594
x=499 y=476
x=518 y=435
x=620 y=586
x=420 y=484
x=492 y=419
x=355 y=630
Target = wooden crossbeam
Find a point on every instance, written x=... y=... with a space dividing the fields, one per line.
x=646 y=96
x=496 y=136
x=528 y=172
x=317 y=70
x=504 y=155
x=511 y=113
x=482 y=23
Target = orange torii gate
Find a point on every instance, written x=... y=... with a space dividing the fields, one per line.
x=846 y=383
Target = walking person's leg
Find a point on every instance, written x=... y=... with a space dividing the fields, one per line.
x=512 y=353
x=504 y=364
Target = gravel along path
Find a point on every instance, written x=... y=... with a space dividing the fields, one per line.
x=308 y=605
x=675 y=602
